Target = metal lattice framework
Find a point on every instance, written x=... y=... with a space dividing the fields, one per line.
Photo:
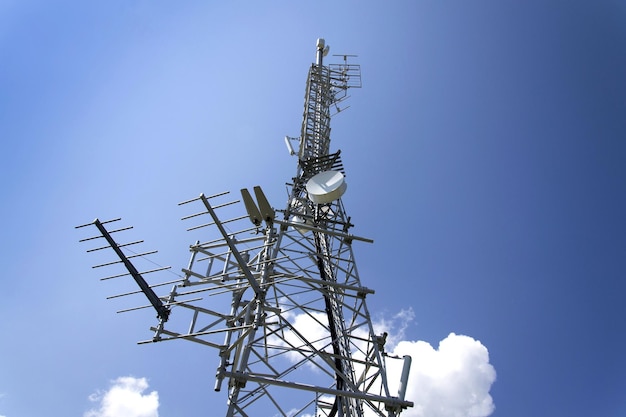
x=280 y=300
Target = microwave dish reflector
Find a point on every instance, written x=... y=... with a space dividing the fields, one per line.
x=326 y=187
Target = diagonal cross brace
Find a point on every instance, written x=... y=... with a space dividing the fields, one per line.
x=163 y=312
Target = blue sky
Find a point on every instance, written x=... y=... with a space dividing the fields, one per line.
x=484 y=155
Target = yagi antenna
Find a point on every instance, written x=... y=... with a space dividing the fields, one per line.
x=162 y=310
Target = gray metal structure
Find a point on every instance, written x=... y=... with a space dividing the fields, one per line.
x=276 y=293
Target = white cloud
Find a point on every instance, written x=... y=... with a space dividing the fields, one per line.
x=308 y=325
x=293 y=413
x=126 y=398
x=451 y=381
x=396 y=326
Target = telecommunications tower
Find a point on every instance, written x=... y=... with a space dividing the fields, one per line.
x=276 y=293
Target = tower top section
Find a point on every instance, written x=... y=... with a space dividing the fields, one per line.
x=322 y=50
x=326 y=87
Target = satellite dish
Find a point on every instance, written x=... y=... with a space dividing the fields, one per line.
x=297 y=221
x=326 y=187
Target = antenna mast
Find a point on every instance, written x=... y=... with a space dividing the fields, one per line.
x=294 y=336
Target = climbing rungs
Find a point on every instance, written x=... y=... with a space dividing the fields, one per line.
x=110 y=232
x=142 y=273
x=202 y=195
x=206 y=212
x=93 y=222
x=220 y=242
x=128 y=257
x=119 y=246
x=212 y=223
x=167 y=305
x=120 y=230
x=110 y=297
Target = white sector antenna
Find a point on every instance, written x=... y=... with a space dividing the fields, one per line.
x=289 y=146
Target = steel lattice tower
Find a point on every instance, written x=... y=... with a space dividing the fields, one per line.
x=295 y=337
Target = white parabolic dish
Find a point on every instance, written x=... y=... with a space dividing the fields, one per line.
x=326 y=187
